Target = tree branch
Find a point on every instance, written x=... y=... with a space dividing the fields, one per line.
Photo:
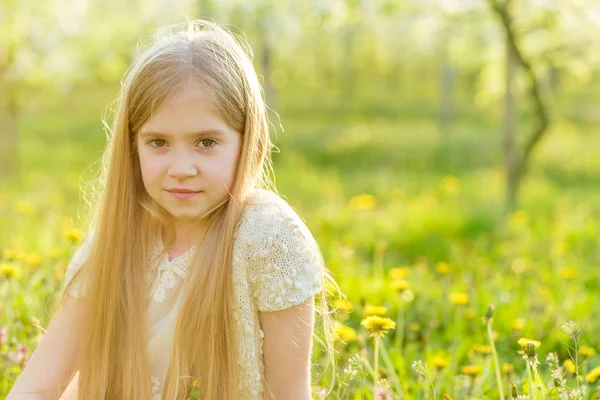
x=535 y=90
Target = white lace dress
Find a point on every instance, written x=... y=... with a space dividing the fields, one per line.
x=276 y=264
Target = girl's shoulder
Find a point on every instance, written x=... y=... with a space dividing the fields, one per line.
x=282 y=258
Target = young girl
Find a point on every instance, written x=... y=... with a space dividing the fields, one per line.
x=195 y=277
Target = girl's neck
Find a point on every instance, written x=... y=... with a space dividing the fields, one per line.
x=186 y=236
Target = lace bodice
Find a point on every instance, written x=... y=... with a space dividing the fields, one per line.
x=276 y=264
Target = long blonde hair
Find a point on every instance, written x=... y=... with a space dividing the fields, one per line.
x=113 y=362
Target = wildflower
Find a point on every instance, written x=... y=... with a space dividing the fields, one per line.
x=55 y=254
x=399 y=273
x=33 y=260
x=519 y=218
x=518 y=324
x=513 y=390
x=489 y=313
x=481 y=349
x=378 y=325
x=446 y=397
x=586 y=351
x=442 y=267
x=567 y=273
x=74 y=235
x=400 y=285
x=363 y=202
x=570 y=366
x=524 y=341
x=10 y=270
x=342 y=305
x=195 y=391
x=440 y=362
x=593 y=375
x=345 y=333
x=374 y=310
x=507 y=368
x=471 y=370
x=450 y=184
x=459 y=298
x=12 y=255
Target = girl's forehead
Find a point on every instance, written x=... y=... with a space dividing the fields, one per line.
x=189 y=111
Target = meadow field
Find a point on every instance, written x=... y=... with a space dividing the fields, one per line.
x=411 y=224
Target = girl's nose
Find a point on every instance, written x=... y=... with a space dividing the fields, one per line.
x=182 y=166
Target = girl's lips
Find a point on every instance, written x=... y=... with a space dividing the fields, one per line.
x=183 y=195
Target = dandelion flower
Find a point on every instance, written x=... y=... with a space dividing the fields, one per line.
x=400 y=285
x=570 y=366
x=440 y=362
x=363 y=202
x=481 y=349
x=459 y=298
x=342 y=305
x=593 y=375
x=12 y=255
x=523 y=342
x=345 y=333
x=33 y=260
x=399 y=273
x=374 y=310
x=507 y=368
x=586 y=351
x=74 y=235
x=378 y=325
x=450 y=184
x=10 y=270
x=442 y=267
x=471 y=370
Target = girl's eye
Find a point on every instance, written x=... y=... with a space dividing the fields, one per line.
x=158 y=143
x=208 y=143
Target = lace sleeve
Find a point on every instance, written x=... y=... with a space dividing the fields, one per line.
x=285 y=265
x=78 y=288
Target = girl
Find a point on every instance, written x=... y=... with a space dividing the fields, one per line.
x=195 y=277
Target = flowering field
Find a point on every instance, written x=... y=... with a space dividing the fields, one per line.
x=445 y=295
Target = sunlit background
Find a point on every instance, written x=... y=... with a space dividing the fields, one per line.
x=445 y=155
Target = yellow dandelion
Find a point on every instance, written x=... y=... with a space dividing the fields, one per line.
x=399 y=273
x=440 y=362
x=570 y=366
x=459 y=298
x=471 y=370
x=560 y=247
x=523 y=342
x=442 y=267
x=586 y=351
x=55 y=254
x=59 y=273
x=33 y=260
x=518 y=324
x=481 y=349
x=375 y=310
x=363 y=202
x=507 y=368
x=519 y=218
x=400 y=285
x=12 y=255
x=450 y=184
x=378 y=325
x=195 y=390
x=593 y=375
x=10 y=270
x=567 y=273
x=345 y=333
x=74 y=235
x=342 y=305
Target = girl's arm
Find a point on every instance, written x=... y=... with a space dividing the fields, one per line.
x=286 y=350
x=52 y=364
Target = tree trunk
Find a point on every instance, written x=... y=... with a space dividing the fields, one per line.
x=511 y=161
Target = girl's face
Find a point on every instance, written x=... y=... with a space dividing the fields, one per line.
x=188 y=155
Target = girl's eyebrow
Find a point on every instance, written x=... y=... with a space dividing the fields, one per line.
x=213 y=132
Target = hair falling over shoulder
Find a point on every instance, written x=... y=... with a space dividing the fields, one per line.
x=113 y=363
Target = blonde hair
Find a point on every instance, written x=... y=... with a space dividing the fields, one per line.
x=113 y=362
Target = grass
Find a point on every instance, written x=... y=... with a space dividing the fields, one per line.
x=381 y=190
